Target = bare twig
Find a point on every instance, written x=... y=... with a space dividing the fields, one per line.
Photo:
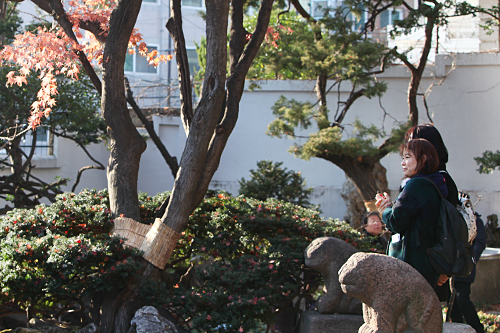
x=171 y=160
x=434 y=83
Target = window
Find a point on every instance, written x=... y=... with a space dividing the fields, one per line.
x=390 y=16
x=150 y=1
x=138 y=64
x=192 y=3
x=44 y=143
x=318 y=8
x=194 y=64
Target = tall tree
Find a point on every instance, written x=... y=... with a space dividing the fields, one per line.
x=208 y=127
x=336 y=49
x=332 y=51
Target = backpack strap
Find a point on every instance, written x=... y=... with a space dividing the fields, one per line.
x=440 y=195
x=437 y=188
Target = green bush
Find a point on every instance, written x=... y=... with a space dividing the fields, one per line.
x=272 y=181
x=62 y=252
x=258 y=262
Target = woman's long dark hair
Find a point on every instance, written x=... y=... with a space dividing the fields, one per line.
x=431 y=134
x=421 y=148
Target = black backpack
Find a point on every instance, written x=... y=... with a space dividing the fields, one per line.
x=453 y=254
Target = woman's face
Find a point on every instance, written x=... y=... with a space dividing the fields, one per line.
x=409 y=163
x=374 y=225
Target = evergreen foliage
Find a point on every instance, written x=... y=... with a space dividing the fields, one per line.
x=361 y=143
x=61 y=256
x=272 y=181
x=254 y=262
x=488 y=162
x=60 y=253
x=9 y=22
x=294 y=51
x=335 y=49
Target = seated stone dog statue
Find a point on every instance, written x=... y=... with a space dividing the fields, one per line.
x=391 y=290
x=326 y=255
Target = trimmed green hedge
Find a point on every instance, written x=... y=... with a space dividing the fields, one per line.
x=253 y=254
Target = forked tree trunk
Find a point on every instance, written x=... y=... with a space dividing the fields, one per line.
x=126 y=143
x=208 y=130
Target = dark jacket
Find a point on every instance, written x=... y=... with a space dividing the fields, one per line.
x=479 y=245
x=414 y=216
x=452 y=196
x=381 y=240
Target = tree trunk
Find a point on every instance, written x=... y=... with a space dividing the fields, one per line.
x=321 y=90
x=208 y=130
x=119 y=306
x=201 y=127
x=218 y=109
x=360 y=171
x=362 y=176
x=126 y=146
x=126 y=143
x=412 y=99
x=356 y=207
x=16 y=160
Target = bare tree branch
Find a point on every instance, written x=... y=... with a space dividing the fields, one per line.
x=174 y=26
x=100 y=166
x=171 y=161
x=302 y=11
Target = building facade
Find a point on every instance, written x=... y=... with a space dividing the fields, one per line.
x=463 y=108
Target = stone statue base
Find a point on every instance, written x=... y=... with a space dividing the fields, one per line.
x=315 y=322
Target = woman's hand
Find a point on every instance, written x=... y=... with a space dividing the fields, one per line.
x=442 y=280
x=382 y=201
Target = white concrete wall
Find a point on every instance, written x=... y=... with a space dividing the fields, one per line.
x=464 y=108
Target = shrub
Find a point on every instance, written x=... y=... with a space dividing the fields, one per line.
x=272 y=181
x=258 y=266
x=62 y=252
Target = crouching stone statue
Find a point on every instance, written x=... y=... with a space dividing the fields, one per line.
x=391 y=291
x=326 y=255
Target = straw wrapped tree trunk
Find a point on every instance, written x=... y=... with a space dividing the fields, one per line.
x=207 y=128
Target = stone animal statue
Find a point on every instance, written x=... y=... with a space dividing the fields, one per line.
x=391 y=291
x=326 y=255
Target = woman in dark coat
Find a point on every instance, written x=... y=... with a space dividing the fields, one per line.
x=414 y=216
x=431 y=134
